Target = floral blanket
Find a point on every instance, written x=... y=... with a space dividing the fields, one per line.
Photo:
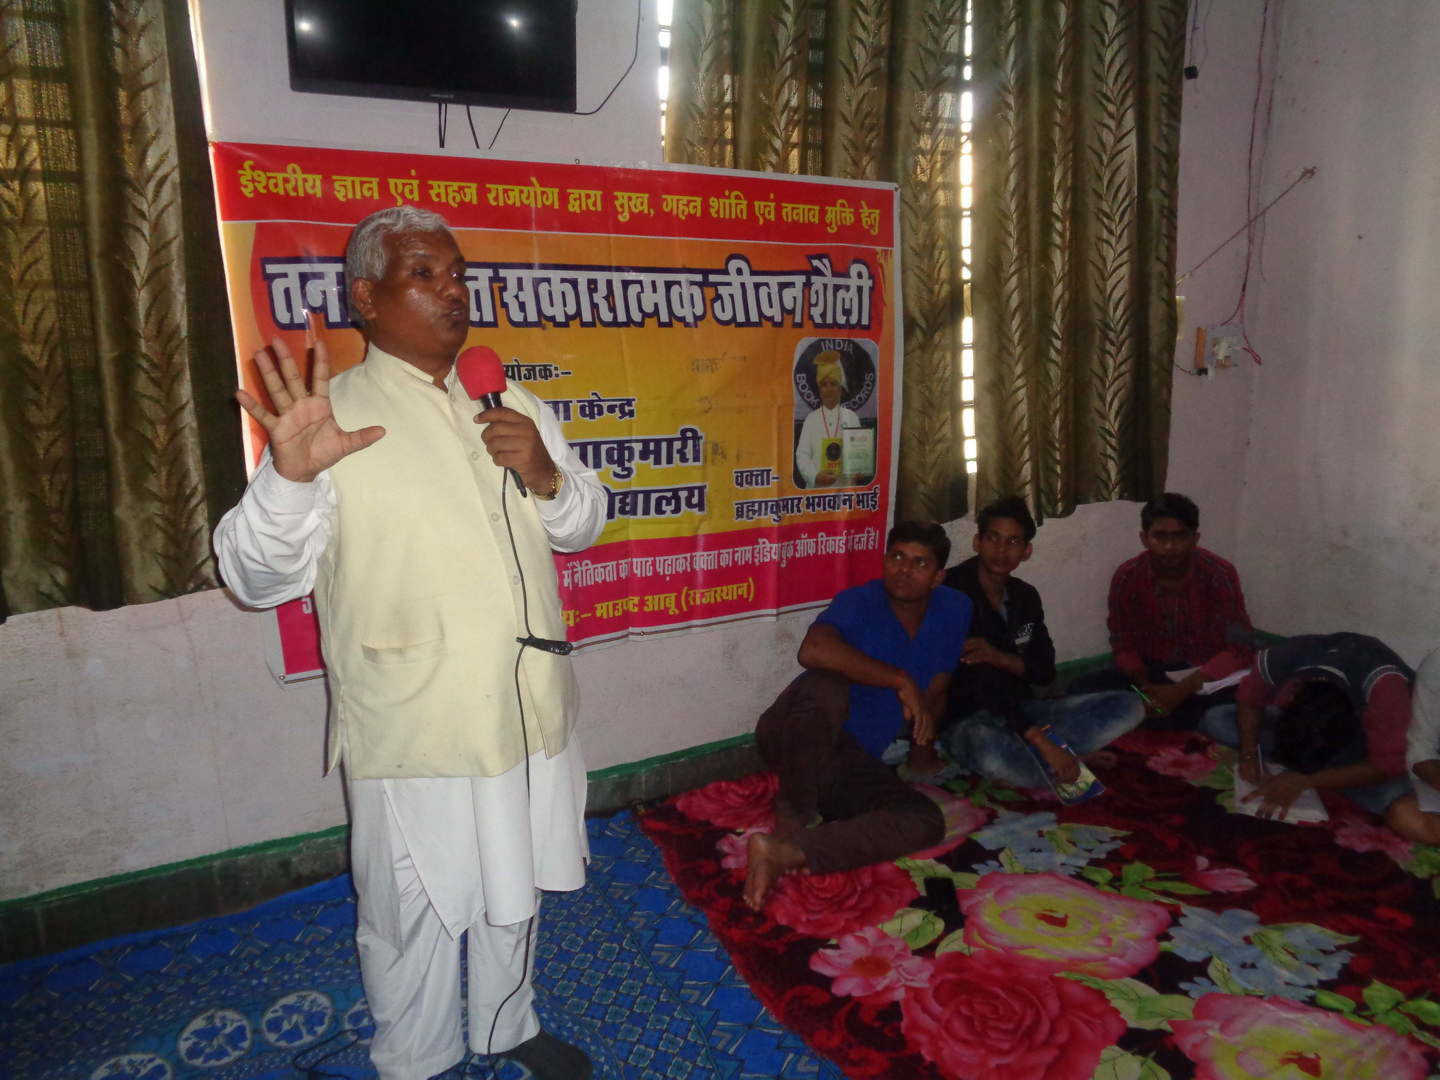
x=1144 y=935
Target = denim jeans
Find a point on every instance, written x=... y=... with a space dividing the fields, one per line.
x=1195 y=711
x=984 y=743
x=1373 y=797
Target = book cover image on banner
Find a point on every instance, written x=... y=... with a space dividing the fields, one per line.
x=700 y=335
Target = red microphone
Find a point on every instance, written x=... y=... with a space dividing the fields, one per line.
x=483 y=376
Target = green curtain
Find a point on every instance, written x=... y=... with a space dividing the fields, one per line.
x=1077 y=144
x=858 y=90
x=118 y=444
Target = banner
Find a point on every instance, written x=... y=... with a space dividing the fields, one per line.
x=677 y=322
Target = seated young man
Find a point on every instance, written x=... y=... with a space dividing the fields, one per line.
x=1340 y=717
x=1422 y=755
x=992 y=712
x=1174 y=606
x=878 y=663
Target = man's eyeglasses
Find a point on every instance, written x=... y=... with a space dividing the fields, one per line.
x=915 y=562
x=1014 y=543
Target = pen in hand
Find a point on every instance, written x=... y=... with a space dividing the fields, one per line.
x=1150 y=702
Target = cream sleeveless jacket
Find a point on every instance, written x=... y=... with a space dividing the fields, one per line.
x=419 y=595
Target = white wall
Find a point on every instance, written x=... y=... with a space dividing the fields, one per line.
x=154 y=734
x=1341 y=507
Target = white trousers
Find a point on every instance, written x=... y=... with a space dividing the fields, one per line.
x=414 y=994
x=435 y=859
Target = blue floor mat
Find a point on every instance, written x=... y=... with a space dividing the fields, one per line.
x=626 y=969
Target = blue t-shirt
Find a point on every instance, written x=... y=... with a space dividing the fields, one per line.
x=862 y=615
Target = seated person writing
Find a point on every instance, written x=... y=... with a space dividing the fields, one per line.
x=1422 y=755
x=1343 y=709
x=878 y=663
x=1174 y=606
x=992 y=712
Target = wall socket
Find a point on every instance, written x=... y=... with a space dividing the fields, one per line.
x=1222 y=350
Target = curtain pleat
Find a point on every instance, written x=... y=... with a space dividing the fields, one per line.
x=112 y=463
x=1077 y=142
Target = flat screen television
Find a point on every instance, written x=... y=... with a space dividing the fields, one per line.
x=514 y=54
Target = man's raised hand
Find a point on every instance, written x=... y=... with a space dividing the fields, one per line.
x=305 y=440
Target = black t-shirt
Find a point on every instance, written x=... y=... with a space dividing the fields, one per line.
x=1019 y=630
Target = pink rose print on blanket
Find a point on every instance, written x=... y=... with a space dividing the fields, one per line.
x=871 y=964
x=981 y=1018
x=1218 y=878
x=1360 y=835
x=1175 y=761
x=1059 y=924
x=828 y=905
x=746 y=803
x=1246 y=1038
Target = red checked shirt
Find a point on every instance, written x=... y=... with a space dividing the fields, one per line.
x=1182 y=627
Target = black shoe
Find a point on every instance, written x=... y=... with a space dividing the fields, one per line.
x=548 y=1058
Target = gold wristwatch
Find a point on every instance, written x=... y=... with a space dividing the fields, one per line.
x=556 y=483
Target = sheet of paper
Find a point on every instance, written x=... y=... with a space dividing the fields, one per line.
x=858 y=454
x=1214 y=684
x=1307 y=808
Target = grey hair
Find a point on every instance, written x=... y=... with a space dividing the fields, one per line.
x=365 y=252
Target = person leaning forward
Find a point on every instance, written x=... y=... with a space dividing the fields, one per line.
x=385 y=491
x=878 y=663
x=1334 y=711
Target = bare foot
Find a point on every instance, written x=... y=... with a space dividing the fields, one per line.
x=769 y=857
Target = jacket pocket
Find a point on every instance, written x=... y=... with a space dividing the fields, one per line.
x=407 y=653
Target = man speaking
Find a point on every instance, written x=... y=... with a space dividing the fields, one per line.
x=394 y=496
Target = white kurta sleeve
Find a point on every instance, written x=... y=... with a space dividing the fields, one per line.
x=270 y=542
x=574 y=518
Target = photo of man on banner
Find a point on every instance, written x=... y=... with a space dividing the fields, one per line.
x=834 y=384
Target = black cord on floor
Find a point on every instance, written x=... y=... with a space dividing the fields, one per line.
x=314 y=1070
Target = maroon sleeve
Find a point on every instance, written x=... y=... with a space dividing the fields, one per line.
x=1387 y=721
x=1253 y=690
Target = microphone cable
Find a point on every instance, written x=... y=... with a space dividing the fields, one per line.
x=526 y=642
x=315 y=1070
